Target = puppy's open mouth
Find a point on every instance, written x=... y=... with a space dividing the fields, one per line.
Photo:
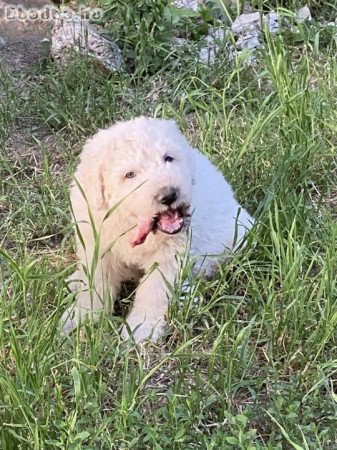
x=170 y=221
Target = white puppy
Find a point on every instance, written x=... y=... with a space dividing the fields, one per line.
x=138 y=187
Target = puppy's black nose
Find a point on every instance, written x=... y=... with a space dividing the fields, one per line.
x=168 y=196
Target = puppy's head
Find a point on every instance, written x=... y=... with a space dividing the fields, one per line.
x=147 y=164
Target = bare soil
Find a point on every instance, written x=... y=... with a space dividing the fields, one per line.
x=21 y=38
x=21 y=47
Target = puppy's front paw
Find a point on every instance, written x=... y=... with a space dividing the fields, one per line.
x=141 y=330
x=71 y=318
x=74 y=315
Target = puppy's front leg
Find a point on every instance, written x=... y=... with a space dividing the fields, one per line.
x=89 y=301
x=147 y=318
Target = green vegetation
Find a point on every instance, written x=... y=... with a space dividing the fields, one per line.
x=253 y=364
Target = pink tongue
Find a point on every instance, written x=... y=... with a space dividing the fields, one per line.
x=143 y=229
x=170 y=222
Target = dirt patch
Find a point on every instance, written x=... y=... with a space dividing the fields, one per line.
x=21 y=35
x=22 y=44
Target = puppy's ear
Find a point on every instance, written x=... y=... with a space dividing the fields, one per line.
x=96 y=159
x=102 y=194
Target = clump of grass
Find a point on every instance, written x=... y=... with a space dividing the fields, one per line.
x=92 y=98
x=251 y=363
x=9 y=105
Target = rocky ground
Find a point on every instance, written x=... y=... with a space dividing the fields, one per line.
x=26 y=34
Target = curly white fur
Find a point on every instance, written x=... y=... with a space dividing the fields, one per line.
x=107 y=258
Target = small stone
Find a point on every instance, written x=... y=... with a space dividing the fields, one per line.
x=246 y=22
x=273 y=22
x=179 y=42
x=208 y=53
x=187 y=4
x=304 y=14
x=216 y=33
x=248 y=57
x=2 y=42
x=78 y=35
x=248 y=41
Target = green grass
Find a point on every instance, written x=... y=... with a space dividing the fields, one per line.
x=253 y=365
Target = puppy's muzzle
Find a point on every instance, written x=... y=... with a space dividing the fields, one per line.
x=167 y=195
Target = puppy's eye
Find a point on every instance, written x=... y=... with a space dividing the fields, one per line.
x=130 y=175
x=168 y=158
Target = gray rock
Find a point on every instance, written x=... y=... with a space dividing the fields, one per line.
x=248 y=58
x=249 y=41
x=247 y=23
x=248 y=29
x=217 y=34
x=303 y=14
x=273 y=22
x=188 y=4
x=73 y=33
x=179 y=42
x=208 y=53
